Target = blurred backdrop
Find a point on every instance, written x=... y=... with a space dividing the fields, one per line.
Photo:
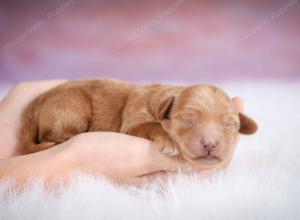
x=179 y=40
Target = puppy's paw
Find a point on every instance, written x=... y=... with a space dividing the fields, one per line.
x=32 y=148
x=165 y=145
x=160 y=141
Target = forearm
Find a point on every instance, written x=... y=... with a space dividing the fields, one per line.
x=11 y=108
x=57 y=164
x=52 y=165
x=120 y=158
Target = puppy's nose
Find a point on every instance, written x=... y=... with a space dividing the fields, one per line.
x=209 y=146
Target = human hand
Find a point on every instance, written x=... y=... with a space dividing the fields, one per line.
x=119 y=157
x=11 y=108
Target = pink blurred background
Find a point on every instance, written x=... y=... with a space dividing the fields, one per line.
x=167 y=41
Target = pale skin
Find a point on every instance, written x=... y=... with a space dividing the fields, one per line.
x=121 y=158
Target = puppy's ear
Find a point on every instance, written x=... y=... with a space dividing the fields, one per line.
x=163 y=109
x=247 y=125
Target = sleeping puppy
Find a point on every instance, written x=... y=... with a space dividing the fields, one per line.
x=198 y=123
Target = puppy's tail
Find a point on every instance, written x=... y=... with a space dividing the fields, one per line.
x=28 y=134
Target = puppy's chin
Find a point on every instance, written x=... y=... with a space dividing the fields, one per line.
x=202 y=162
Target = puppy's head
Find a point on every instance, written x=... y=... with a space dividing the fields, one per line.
x=204 y=124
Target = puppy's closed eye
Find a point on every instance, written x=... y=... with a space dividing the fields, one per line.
x=188 y=120
x=230 y=123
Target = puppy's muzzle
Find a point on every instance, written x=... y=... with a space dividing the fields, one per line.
x=209 y=146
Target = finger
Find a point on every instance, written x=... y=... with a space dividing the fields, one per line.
x=238 y=103
x=158 y=177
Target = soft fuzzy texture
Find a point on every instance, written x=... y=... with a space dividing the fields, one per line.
x=263 y=181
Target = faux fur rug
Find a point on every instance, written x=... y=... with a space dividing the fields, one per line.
x=263 y=181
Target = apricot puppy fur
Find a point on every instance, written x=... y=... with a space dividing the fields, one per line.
x=198 y=122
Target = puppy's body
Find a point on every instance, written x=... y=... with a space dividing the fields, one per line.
x=92 y=105
x=168 y=115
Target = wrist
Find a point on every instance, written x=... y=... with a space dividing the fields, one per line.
x=57 y=164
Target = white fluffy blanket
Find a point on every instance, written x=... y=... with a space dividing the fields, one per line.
x=263 y=181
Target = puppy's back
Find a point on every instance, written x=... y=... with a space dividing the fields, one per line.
x=71 y=108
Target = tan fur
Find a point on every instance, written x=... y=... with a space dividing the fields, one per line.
x=172 y=116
